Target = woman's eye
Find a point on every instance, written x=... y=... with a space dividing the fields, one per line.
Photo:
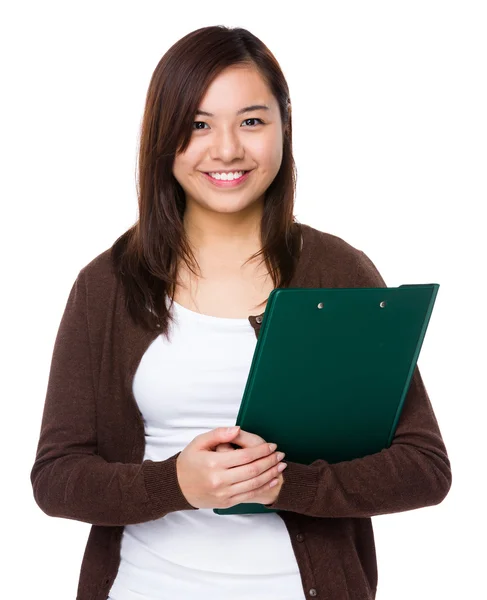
x=254 y=119
x=197 y=123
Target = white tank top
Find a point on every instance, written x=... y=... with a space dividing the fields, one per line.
x=186 y=386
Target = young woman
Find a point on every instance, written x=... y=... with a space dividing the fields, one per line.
x=154 y=348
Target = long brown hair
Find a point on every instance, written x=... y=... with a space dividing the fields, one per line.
x=146 y=256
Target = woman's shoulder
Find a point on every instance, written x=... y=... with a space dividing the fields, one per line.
x=99 y=280
x=99 y=269
x=329 y=249
x=332 y=253
x=324 y=240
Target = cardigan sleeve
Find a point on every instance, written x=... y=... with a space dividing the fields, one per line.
x=69 y=478
x=413 y=472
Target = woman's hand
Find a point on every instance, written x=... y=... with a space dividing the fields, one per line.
x=210 y=481
x=265 y=495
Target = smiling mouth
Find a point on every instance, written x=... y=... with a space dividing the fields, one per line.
x=236 y=171
x=227 y=183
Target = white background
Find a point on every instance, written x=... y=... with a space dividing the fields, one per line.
x=389 y=117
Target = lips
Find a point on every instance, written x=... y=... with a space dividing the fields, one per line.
x=236 y=171
x=224 y=183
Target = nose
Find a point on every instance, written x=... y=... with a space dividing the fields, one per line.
x=226 y=146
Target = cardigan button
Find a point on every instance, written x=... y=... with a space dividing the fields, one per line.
x=313 y=592
x=300 y=537
x=258 y=319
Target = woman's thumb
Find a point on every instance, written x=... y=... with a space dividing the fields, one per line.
x=230 y=432
x=217 y=436
x=225 y=434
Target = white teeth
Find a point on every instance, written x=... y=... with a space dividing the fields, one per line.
x=227 y=176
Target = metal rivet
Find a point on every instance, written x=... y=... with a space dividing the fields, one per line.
x=320 y=305
x=313 y=592
x=382 y=304
x=300 y=537
x=258 y=319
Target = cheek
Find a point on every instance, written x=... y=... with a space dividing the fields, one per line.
x=183 y=167
x=270 y=153
x=278 y=156
x=177 y=167
x=270 y=161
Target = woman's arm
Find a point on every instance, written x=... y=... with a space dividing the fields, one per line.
x=69 y=478
x=413 y=472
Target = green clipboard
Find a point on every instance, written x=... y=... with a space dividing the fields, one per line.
x=331 y=370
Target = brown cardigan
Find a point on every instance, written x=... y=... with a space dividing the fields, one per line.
x=89 y=464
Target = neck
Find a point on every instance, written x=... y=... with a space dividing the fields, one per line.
x=225 y=234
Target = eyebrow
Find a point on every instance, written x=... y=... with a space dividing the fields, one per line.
x=239 y=112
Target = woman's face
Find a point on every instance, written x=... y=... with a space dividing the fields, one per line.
x=230 y=140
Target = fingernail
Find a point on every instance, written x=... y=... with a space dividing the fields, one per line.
x=272 y=447
x=281 y=467
x=280 y=455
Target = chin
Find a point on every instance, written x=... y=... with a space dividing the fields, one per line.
x=232 y=207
